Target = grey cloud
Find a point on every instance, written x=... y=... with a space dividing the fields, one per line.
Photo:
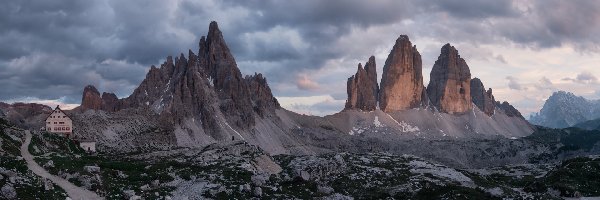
x=111 y=43
x=583 y=78
x=545 y=84
x=513 y=83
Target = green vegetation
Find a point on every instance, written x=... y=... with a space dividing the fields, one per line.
x=26 y=184
x=573 y=178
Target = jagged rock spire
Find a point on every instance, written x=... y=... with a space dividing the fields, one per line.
x=362 y=87
x=449 y=87
x=402 y=78
x=484 y=100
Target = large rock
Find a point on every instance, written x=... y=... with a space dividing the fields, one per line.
x=484 y=100
x=449 y=86
x=91 y=98
x=402 y=78
x=362 y=88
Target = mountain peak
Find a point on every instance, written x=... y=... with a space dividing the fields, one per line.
x=449 y=86
x=402 y=78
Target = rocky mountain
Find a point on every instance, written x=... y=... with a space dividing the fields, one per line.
x=484 y=100
x=202 y=99
x=189 y=101
x=564 y=109
x=449 y=86
x=25 y=115
x=405 y=103
x=402 y=78
x=363 y=88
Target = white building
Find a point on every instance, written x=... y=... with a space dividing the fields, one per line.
x=59 y=122
x=88 y=145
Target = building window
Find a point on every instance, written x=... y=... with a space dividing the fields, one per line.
x=61 y=122
x=68 y=128
x=47 y=122
x=64 y=116
x=54 y=122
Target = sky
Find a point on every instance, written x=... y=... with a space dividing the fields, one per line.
x=523 y=49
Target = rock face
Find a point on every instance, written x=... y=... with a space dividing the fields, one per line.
x=449 y=86
x=402 y=78
x=363 y=88
x=91 y=98
x=261 y=95
x=205 y=93
x=484 y=100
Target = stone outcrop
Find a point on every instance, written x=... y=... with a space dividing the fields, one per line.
x=91 y=98
x=484 y=100
x=363 y=88
x=110 y=102
x=449 y=85
x=402 y=78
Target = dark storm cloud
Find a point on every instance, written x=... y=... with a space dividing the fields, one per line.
x=52 y=49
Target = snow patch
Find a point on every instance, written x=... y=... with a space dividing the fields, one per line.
x=234 y=130
x=377 y=123
x=405 y=127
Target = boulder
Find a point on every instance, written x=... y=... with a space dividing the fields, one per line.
x=49 y=164
x=362 y=88
x=484 y=100
x=402 y=78
x=8 y=191
x=449 y=87
x=91 y=169
x=258 y=192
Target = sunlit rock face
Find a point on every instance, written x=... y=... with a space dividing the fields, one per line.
x=449 y=87
x=402 y=78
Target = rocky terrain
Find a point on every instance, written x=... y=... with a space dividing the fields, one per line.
x=16 y=181
x=25 y=115
x=564 y=109
x=197 y=128
x=240 y=170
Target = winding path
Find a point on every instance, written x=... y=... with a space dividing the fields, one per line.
x=74 y=192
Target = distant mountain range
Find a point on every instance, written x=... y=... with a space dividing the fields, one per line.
x=565 y=109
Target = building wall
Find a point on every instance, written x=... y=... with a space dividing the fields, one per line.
x=88 y=146
x=58 y=122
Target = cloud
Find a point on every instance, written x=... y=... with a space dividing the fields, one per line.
x=544 y=84
x=52 y=50
x=583 y=78
x=312 y=105
x=513 y=83
x=304 y=83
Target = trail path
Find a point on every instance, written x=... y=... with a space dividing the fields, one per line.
x=74 y=192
